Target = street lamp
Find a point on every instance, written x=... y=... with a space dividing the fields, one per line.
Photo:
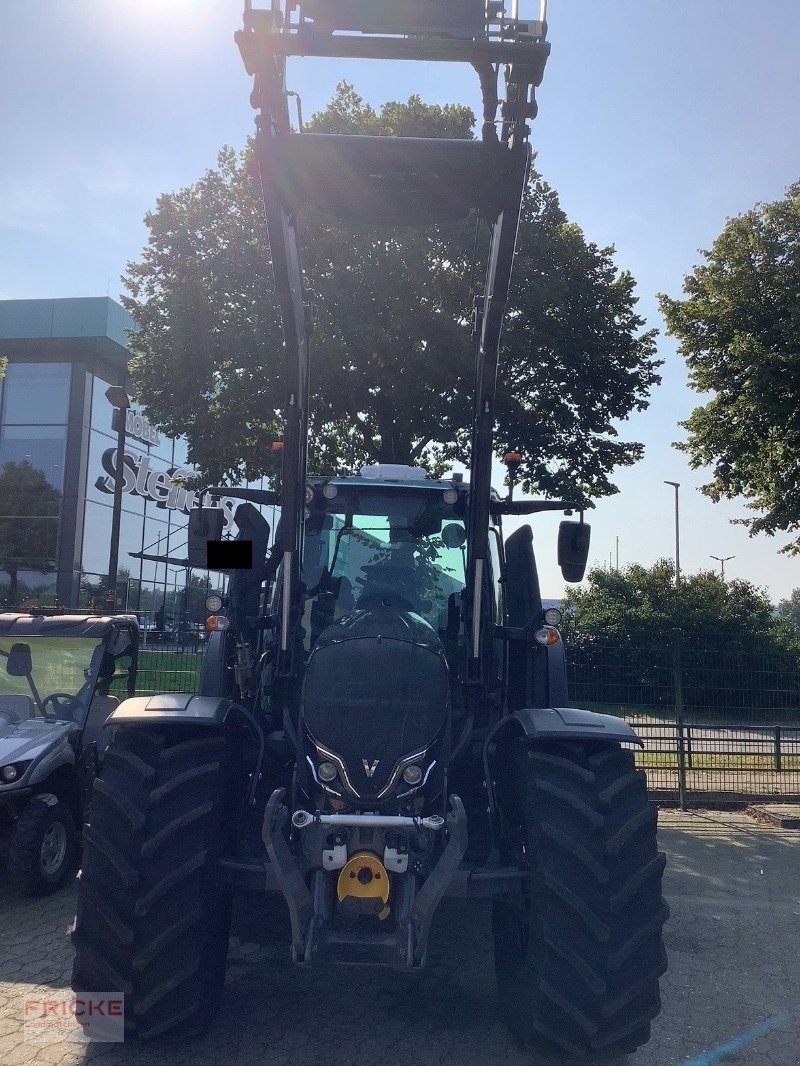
x=722 y=560
x=676 y=485
x=118 y=398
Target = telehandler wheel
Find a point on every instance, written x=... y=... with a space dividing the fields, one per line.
x=578 y=956
x=151 y=920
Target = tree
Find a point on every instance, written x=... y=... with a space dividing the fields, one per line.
x=737 y=658
x=739 y=331
x=790 y=609
x=29 y=509
x=641 y=605
x=392 y=371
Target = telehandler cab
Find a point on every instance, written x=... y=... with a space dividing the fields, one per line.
x=383 y=717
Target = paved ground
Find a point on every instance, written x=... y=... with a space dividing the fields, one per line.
x=734 y=889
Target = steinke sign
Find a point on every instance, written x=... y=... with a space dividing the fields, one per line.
x=163 y=487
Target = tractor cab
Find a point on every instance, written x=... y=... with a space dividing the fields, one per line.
x=394 y=544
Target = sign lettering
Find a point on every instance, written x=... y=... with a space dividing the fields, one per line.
x=164 y=488
x=137 y=426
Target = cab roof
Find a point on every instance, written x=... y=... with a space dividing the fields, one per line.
x=394 y=474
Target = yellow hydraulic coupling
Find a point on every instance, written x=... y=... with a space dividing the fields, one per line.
x=365 y=877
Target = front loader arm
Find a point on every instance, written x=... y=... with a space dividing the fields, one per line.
x=391 y=180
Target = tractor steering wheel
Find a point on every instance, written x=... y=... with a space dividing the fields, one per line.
x=59 y=710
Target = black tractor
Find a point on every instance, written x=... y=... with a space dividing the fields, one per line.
x=383 y=717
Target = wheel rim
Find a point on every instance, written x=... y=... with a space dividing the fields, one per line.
x=54 y=848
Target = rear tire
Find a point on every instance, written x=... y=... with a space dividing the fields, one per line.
x=578 y=957
x=151 y=921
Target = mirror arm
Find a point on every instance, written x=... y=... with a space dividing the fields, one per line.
x=526 y=507
x=35 y=691
x=523 y=633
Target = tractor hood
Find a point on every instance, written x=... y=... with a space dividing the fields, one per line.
x=28 y=741
x=376 y=692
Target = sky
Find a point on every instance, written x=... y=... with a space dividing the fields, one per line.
x=658 y=119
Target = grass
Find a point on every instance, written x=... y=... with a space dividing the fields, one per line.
x=164 y=671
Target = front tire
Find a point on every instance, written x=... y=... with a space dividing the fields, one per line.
x=151 y=921
x=43 y=849
x=578 y=957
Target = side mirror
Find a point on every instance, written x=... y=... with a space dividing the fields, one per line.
x=20 y=662
x=573 y=549
x=205 y=524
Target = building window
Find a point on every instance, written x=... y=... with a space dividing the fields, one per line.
x=36 y=394
x=42 y=448
x=29 y=513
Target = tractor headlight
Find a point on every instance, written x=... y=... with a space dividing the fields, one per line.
x=213 y=603
x=412 y=775
x=326 y=771
x=546 y=635
x=552 y=616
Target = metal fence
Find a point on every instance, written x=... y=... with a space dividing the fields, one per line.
x=164 y=669
x=719 y=717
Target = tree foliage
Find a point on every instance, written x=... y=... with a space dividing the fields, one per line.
x=790 y=608
x=737 y=659
x=739 y=331
x=393 y=360
x=643 y=605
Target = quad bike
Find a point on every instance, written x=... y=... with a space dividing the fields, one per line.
x=55 y=674
x=383 y=717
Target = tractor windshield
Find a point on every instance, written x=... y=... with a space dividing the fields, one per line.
x=48 y=677
x=369 y=548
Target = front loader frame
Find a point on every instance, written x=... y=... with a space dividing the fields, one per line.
x=265 y=42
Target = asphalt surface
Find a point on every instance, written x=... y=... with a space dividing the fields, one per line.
x=732 y=993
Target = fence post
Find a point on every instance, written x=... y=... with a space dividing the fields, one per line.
x=677 y=681
x=777 y=747
x=689 y=746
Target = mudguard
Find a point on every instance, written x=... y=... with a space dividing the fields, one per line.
x=572 y=723
x=174 y=709
x=62 y=755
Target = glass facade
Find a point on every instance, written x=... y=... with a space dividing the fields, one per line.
x=36 y=394
x=34 y=404
x=155 y=509
x=58 y=442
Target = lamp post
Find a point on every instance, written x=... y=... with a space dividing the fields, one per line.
x=676 y=485
x=118 y=398
x=722 y=560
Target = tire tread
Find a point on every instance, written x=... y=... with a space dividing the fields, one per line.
x=580 y=974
